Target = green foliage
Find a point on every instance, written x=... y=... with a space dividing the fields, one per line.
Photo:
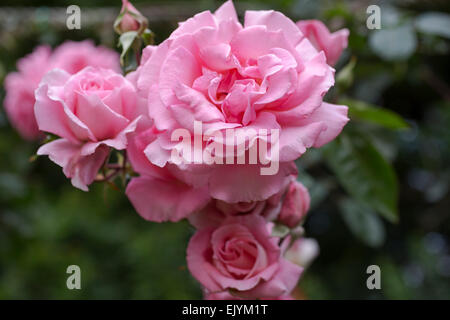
x=363 y=222
x=360 y=110
x=364 y=173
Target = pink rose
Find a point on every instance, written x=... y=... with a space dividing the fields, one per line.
x=90 y=111
x=240 y=255
x=228 y=296
x=74 y=56
x=265 y=75
x=160 y=194
x=331 y=43
x=295 y=205
x=20 y=86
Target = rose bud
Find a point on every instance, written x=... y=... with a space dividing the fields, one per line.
x=303 y=252
x=130 y=19
x=295 y=205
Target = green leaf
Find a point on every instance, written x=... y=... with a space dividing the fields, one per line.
x=436 y=23
x=367 y=112
x=318 y=189
x=364 y=173
x=344 y=78
x=280 y=231
x=394 y=44
x=363 y=222
x=126 y=41
x=11 y=185
x=148 y=37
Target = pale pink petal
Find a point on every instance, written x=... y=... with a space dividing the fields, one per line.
x=226 y=11
x=244 y=182
x=150 y=69
x=294 y=140
x=247 y=43
x=180 y=66
x=284 y=281
x=334 y=117
x=164 y=200
x=331 y=43
x=81 y=169
x=191 y=25
x=101 y=119
x=274 y=21
x=87 y=167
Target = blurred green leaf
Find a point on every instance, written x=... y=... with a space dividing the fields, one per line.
x=436 y=23
x=363 y=222
x=361 y=110
x=280 y=230
x=394 y=44
x=364 y=173
x=318 y=189
x=344 y=78
x=11 y=185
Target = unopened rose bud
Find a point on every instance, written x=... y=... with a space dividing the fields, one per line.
x=303 y=252
x=295 y=205
x=130 y=19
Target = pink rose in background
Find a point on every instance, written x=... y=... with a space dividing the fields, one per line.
x=295 y=205
x=241 y=255
x=20 y=86
x=72 y=56
x=214 y=70
x=331 y=43
x=160 y=194
x=90 y=111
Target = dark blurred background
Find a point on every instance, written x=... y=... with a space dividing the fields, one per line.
x=47 y=225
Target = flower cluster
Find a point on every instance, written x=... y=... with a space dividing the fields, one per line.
x=255 y=89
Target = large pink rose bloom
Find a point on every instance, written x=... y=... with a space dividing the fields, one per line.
x=160 y=194
x=264 y=74
x=90 y=111
x=240 y=255
x=20 y=86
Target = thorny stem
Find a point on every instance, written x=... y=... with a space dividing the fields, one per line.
x=117 y=168
x=109 y=176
